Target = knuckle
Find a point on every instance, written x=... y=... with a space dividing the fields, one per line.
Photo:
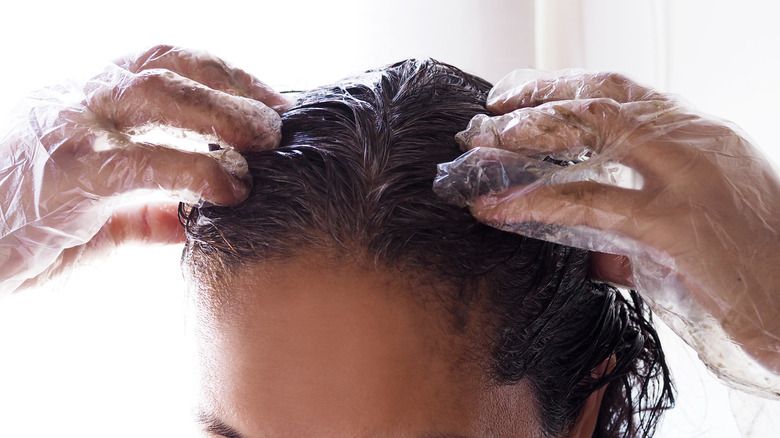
x=139 y=61
x=149 y=80
x=600 y=106
x=159 y=50
x=724 y=129
x=612 y=78
x=153 y=76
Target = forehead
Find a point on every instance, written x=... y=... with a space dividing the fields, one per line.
x=339 y=350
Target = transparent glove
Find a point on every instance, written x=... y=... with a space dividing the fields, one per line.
x=65 y=161
x=596 y=161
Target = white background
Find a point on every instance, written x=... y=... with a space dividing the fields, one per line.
x=103 y=353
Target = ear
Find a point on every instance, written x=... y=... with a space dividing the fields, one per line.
x=586 y=423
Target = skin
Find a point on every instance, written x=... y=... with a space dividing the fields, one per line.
x=310 y=348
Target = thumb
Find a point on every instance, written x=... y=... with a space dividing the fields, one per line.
x=611 y=268
x=147 y=223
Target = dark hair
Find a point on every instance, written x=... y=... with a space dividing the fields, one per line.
x=354 y=174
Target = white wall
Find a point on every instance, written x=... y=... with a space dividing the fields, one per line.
x=724 y=57
x=289 y=44
x=720 y=55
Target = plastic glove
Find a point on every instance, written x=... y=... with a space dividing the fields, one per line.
x=68 y=157
x=596 y=161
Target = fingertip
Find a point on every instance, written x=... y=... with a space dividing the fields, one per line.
x=235 y=182
x=480 y=132
x=510 y=91
x=280 y=103
x=611 y=268
x=241 y=188
x=235 y=194
x=266 y=128
x=247 y=124
x=505 y=207
x=505 y=101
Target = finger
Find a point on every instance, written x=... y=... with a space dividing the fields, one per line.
x=510 y=94
x=483 y=171
x=208 y=70
x=544 y=129
x=574 y=130
x=569 y=207
x=163 y=97
x=502 y=174
x=148 y=223
x=220 y=177
x=611 y=268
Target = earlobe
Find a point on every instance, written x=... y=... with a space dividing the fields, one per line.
x=586 y=423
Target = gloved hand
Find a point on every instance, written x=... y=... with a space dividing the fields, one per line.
x=67 y=158
x=596 y=161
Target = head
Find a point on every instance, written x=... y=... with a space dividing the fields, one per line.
x=343 y=298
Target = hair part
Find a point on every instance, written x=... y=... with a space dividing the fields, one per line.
x=353 y=176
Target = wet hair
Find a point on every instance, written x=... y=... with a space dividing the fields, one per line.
x=354 y=175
